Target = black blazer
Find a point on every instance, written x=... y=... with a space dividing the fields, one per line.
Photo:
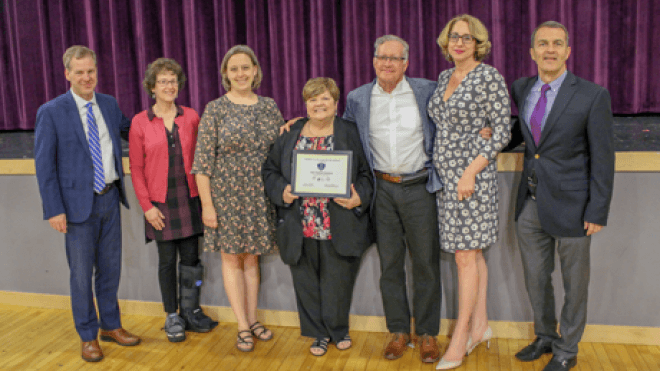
x=349 y=228
x=574 y=160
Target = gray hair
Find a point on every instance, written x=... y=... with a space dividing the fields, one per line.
x=550 y=24
x=78 y=52
x=383 y=39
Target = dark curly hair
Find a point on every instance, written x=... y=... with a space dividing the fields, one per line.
x=158 y=66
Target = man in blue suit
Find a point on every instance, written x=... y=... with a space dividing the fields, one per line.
x=397 y=136
x=81 y=181
x=565 y=191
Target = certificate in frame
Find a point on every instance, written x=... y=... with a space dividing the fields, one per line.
x=321 y=173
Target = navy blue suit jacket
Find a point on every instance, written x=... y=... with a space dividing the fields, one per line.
x=358 y=110
x=65 y=171
x=574 y=160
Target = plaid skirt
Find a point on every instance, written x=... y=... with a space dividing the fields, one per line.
x=183 y=214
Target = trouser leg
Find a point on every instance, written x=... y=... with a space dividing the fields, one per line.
x=108 y=261
x=391 y=250
x=337 y=279
x=574 y=257
x=537 y=250
x=419 y=215
x=307 y=285
x=81 y=256
x=167 y=275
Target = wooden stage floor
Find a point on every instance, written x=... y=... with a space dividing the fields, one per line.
x=45 y=339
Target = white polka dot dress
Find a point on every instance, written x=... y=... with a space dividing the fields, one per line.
x=480 y=100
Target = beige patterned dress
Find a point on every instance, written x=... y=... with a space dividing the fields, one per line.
x=232 y=144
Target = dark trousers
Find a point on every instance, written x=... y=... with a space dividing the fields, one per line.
x=407 y=214
x=323 y=281
x=537 y=250
x=188 y=249
x=93 y=248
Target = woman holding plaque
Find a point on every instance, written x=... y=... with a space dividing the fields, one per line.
x=235 y=134
x=321 y=238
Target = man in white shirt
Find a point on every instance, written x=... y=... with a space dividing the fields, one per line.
x=397 y=136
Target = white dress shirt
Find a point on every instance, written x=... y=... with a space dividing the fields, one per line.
x=395 y=130
x=107 y=156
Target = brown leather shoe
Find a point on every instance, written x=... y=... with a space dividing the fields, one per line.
x=121 y=337
x=428 y=348
x=91 y=351
x=397 y=345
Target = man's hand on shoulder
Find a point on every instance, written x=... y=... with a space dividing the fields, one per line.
x=592 y=228
x=58 y=222
x=286 y=127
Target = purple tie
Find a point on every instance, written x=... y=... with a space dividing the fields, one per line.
x=538 y=113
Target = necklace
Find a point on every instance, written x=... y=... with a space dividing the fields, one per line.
x=324 y=131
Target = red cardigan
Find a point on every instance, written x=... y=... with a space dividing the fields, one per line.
x=149 y=158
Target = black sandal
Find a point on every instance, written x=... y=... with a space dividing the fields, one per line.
x=320 y=343
x=261 y=335
x=243 y=340
x=346 y=338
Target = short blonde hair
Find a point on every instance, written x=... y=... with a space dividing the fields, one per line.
x=477 y=30
x=240 y=49
x=78 y=52
x=318 y=86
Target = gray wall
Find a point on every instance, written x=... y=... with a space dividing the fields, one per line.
x=623 y=291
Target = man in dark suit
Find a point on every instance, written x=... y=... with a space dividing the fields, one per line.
x=565 y=191
x=397 y=136
x=81 y=181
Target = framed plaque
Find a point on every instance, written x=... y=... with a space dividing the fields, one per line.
x=321 y=173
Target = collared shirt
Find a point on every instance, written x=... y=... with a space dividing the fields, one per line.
x=395 y=130
x=107 y=156
x=535 y=95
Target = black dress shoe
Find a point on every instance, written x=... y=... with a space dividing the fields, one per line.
x=535 y=350
x=560 y=364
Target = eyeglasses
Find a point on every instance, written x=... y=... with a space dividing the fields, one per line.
x=384 y=58
x=467 y=39
x=167 y=82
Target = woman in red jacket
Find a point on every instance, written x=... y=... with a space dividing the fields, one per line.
x=161 y=149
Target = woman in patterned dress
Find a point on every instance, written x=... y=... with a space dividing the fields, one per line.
x=321 y=238
x=161 y=147
x=235 y=134
x=469 y=97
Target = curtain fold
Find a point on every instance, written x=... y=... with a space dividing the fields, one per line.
x=612 y=44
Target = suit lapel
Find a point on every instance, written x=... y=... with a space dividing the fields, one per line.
x=289 y=146
x=363 y=120
x=341 y=140
x=566 y=91
x=521 y=112
x=116 y=144
x=365 y=102
x=72 y=116
x=419 y=98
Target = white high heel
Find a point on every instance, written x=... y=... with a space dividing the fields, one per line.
x=488 y=334
x=448 y=365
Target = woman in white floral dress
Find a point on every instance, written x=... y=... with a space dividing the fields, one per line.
x=469 y=97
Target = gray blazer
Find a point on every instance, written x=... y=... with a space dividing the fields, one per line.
x=358 y=103
x=574 y=161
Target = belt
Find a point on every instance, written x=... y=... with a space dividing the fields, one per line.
x=105 y=190
x=402 y=178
